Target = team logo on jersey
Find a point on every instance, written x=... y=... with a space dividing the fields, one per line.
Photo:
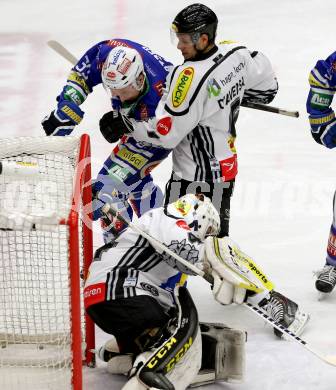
x=182 y=86
x=164 y=125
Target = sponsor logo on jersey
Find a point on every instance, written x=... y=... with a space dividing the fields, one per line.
x=229 y=168
x=71 y=114
x=233 y=92
x=73 y=94
x=182 y=224
x=134 y=159
x=75 y=77
x=213 y=88
x=314 y=82
x=150 y=288
x=234 y=73
x=121 y=174
x=164 y=125
x=94 y=294
x=158 y=87
x=319 y=100
x=115 y=43
x=182 y=86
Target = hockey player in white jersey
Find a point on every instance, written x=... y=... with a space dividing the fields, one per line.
x=322 y=80
x=134 y=292
x=196 y=117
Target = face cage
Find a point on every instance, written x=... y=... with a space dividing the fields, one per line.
x=193 y=38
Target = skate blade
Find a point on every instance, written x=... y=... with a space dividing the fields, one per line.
x=298 y=325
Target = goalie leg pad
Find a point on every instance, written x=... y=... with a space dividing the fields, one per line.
x=223 y=355
x=176 y=362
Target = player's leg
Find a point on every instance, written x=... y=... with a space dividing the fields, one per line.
x=326 y=278
x=136 y=323
x=174 y=363
x=146 y=196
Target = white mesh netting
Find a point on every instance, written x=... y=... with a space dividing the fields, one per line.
x=35 y=349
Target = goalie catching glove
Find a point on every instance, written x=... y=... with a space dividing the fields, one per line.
x=234 y=273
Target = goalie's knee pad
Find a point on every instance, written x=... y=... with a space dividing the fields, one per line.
x=176 y=362
x=223 y=354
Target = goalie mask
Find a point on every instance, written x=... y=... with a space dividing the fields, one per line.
x=122 y=68
x=199 y=213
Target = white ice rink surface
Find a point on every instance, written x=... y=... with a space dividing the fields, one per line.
x=282 y=205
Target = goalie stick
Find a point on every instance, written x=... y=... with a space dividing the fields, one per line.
x=329 y=359
x=62 y=51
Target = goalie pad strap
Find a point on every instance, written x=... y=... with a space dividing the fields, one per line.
x=223 y=354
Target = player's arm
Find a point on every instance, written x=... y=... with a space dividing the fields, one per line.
x=80 y=82
x=322 y=81
x=261 y=83
x=178 y=112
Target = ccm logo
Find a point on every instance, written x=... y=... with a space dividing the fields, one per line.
x=164 y=125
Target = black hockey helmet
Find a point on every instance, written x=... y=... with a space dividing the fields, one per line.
x=196 y=19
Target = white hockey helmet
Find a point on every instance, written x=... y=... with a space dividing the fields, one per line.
x=121 y=68
x=199 y=213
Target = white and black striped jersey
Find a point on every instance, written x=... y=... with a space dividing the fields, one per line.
x=130 y=266
x=196 y=116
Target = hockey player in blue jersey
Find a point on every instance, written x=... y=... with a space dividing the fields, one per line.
x=134 y=78
x=322 y=80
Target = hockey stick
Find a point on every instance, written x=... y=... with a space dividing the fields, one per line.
x=62 y=51
x=275 y=110
x=329 y=359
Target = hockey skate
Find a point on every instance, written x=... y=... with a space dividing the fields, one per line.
x=326 y=279
x=285 y=312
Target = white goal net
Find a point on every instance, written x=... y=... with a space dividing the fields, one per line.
x=45 y=243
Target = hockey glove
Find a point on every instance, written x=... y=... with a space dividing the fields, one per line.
x=62 y=120
x=234 y=273
x=113 y=126
x=323 y=128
